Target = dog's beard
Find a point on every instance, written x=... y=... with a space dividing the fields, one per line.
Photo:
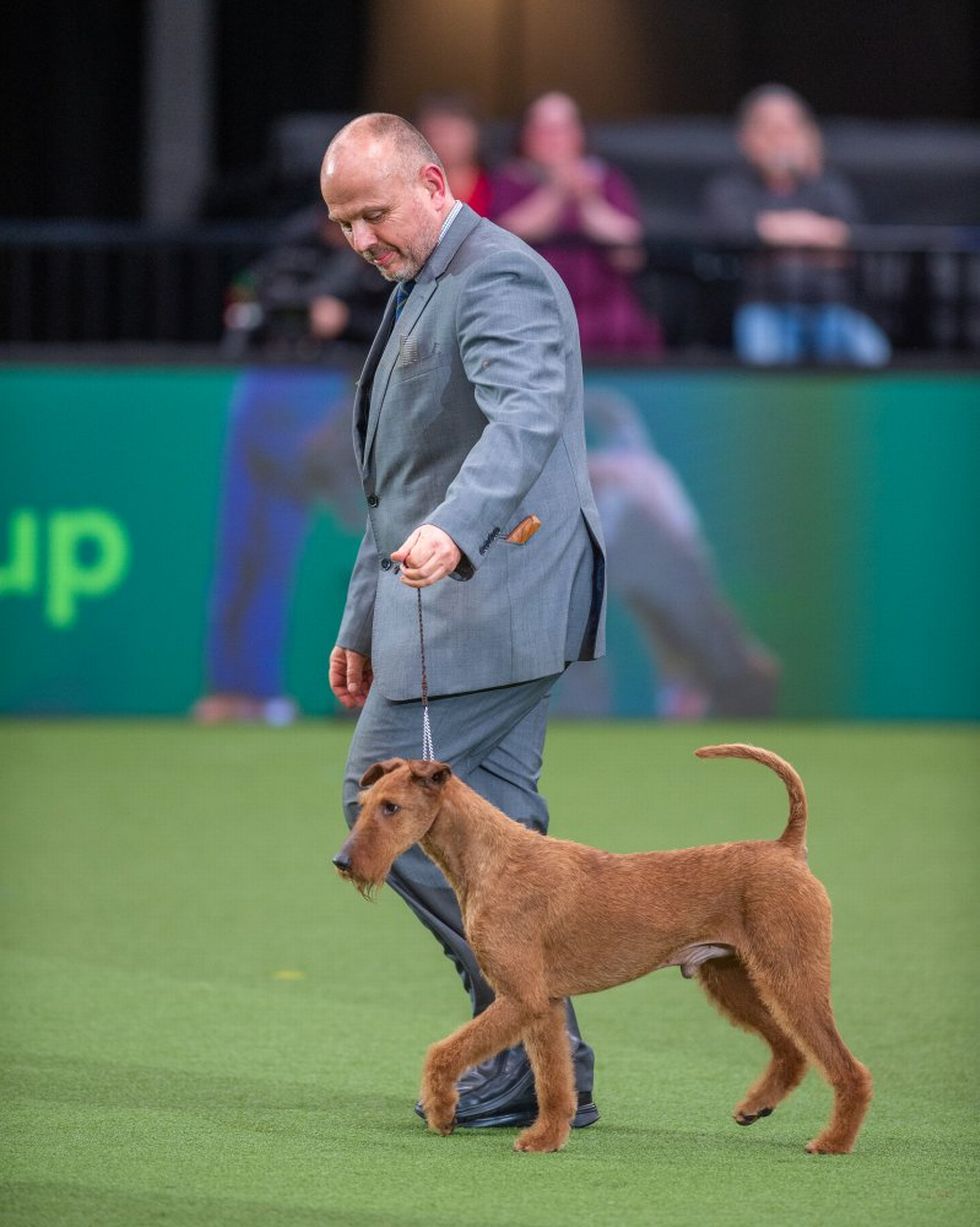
x=365 y=886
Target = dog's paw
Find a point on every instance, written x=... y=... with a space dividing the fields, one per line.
x=542 y=1139
x=441 y=1118
x=440 y=1113
x=440 y=1122
x=749 y=1118
x=826 y=1146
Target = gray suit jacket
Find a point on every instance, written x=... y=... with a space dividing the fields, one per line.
x=468 y=415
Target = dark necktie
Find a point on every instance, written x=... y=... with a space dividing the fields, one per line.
x=402 y=291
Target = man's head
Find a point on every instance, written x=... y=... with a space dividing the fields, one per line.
x=778 y=133
x=385 y=185
x=449 y=124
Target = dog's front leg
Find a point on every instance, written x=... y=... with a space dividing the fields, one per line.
x=546 y=1041
x=498 y=1027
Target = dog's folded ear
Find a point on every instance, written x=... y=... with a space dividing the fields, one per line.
x=431 y=774
x=373 y=774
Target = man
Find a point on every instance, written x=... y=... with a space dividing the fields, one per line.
x=797 y=296
x=448 y=122
x=467 y=422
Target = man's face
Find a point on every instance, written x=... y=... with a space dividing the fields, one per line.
x=777 y=137
x=389 y=217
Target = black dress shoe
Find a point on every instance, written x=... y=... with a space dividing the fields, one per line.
x=500 y=1093
x=504 y=1079
x=519 y=1115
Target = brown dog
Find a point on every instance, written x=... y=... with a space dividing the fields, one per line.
x=550 y=919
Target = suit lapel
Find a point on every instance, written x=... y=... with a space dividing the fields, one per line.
x=463 y=225
x=387 y=342
x=362 y=395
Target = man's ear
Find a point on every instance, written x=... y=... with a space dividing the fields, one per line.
x=373 y=774
x=433 y=181
x=430 y=774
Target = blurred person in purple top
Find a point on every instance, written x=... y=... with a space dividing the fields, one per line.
x=581 y=214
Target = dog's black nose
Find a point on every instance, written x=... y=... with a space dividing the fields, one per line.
x=342 y=861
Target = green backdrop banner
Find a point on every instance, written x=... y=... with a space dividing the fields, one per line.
x=830 y=518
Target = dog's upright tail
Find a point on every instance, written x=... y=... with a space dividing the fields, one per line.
x=794 y=836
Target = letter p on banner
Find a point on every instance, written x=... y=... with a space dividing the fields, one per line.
x=88 y=556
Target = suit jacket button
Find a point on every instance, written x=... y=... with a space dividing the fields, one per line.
x=385 y=564
x=373 y=500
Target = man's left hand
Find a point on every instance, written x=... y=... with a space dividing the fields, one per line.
x=428 y=556
x=801 y=228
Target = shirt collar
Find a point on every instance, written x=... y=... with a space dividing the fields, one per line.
x=450 y=218
x=447 y=222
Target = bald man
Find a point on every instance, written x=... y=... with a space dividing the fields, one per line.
x=467 y=423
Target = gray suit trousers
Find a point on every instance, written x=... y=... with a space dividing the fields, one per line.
x=493 y=739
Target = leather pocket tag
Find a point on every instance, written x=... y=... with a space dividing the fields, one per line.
x=524 y=531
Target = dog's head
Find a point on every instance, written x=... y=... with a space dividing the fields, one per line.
x=399 y=803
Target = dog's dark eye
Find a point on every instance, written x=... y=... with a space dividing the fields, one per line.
x=389 y=808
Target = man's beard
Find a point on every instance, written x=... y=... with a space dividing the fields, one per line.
x=411 y=260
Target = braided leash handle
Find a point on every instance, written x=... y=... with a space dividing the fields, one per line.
x=428 y=754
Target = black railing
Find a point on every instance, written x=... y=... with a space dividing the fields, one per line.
x=102 y=283
x=920 y=283
x=90 y=283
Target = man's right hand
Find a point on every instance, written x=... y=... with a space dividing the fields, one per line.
x=350 y=676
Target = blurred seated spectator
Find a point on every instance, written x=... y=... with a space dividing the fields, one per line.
x=796 y=300
x=449 y=124
x=581 y=214
x=296 y=302
x=309 y=291
x=283 y=421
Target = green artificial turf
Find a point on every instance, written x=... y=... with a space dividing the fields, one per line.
x=201 y=1024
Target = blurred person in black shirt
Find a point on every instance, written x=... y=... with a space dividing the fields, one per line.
x=305 y=295
x=796 y=300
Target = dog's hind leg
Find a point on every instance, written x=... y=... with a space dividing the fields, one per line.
x=798 y=994
x=728 y=985
x=498 y=1027
x=546 y=1041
